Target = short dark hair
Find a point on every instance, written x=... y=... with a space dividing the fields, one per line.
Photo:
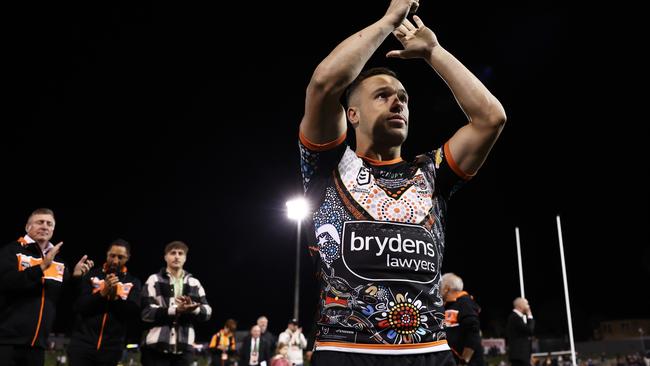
x=363 y=76
x=176 y=244
x=231 y=324
x=120 y=243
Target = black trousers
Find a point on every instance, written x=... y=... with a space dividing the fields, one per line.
x=79 y=356
x=216 y=359
x=21 y=355
x=519 y=363
x=332 y=358
x=152 y=357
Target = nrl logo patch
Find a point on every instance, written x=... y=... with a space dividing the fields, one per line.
x=363 y=177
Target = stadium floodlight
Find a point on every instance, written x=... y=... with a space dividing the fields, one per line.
x=297 y=209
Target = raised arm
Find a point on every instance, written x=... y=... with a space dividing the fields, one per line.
x=471 y=144
x=324 y=120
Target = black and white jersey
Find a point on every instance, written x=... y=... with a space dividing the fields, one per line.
x=378 y=238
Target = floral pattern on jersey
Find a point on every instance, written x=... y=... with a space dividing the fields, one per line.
x=389 y=318
x=405 y=319
x=411 y=202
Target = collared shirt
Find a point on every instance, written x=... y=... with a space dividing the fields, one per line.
x=47 y=248
x=522 y=315
x=177 y=283
x=255 y=351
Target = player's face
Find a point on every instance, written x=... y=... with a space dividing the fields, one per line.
x=380 y=108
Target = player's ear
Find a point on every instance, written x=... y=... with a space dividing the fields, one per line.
x=353 y=116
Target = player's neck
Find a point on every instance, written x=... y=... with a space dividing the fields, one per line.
x=374 y=153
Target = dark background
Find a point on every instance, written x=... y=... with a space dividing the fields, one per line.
x=157 y=121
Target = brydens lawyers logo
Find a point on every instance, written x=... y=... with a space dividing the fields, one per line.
x=386 y=251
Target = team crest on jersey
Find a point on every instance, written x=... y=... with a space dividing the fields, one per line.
x=24 y=262
x=363 y=177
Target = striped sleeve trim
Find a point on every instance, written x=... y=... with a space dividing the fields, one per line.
x=452 y=164
x=321 y=147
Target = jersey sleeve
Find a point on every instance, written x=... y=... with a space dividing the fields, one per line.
x=448 y=177
x=318 y=160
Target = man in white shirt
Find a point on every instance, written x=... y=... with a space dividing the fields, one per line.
x=295 y=339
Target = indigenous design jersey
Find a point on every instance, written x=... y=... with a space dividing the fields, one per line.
x=378 y=241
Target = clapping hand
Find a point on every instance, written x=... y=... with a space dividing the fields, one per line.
x=184 y=304
x=49 y=257
x=83 y=266
x=110 y=286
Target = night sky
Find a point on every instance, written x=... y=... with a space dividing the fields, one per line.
x=170 y=121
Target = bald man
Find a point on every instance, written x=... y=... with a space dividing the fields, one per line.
x=519 y=331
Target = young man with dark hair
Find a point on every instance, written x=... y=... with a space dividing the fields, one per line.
x=172 y=300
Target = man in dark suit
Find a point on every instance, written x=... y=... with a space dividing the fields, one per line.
x=269 y=338
x=519 y=331
x=254 y=349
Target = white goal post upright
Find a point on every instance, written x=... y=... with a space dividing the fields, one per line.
x=521 y=270
x=566 y=290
